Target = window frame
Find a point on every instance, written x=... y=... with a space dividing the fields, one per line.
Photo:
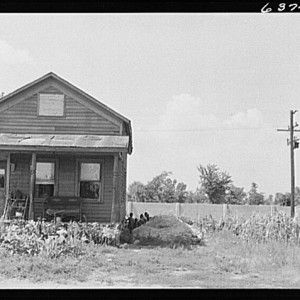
x=49 y=160
x=79 y=161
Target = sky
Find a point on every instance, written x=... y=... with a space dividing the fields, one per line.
x=199 y=88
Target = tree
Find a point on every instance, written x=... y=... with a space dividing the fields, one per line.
x=181 y=192
x=198 y=196
x=255 y=198
x=161 y=188
x=235 y=195
x=297 y=195
x=136 y=192
x=285 y=199
x=214 y=182
x=282 y=199
x=269 y=200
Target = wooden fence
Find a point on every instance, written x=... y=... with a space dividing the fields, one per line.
x=199 y=210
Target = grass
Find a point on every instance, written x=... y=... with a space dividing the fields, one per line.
x=226 y=261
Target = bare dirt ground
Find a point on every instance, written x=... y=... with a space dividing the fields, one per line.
x=205 y=278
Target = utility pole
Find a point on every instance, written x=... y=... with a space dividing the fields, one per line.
x=294 y=144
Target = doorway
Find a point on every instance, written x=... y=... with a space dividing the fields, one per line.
x=2 y=187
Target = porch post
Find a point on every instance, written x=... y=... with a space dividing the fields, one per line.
x=7 y=179
x=123 y=213
x=7 y=176
x=31 y=186
x=115 y=208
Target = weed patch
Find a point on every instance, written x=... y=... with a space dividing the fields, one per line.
x=54 y=240
x=235 y=254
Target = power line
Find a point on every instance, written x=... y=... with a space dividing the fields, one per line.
x=202 y=129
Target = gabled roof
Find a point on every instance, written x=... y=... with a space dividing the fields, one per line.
x=104 y=107
x=53 y=75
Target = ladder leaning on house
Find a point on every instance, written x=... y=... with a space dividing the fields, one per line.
x=16 y=208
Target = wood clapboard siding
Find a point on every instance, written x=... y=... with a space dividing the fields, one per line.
x=38 y=208
x=122 y=185
x=93 y=210
x=67 y=172
x=82 y=116
x=78 y=119
x=101 y=212
x=20 y=177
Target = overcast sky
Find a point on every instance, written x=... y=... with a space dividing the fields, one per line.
x=198 y=88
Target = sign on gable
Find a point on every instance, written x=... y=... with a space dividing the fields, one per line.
x=51 y=105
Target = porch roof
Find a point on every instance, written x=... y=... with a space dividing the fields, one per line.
x=63 y=142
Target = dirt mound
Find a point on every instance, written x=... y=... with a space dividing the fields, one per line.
x=165 y=231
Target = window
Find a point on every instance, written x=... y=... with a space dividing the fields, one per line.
x=90 y=181
x=2 y=175
x=44 y=183
x=51 y=105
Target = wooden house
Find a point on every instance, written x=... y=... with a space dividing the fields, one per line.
x=57 y=142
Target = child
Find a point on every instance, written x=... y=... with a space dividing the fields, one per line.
x=147 y=216
x=141 y=221
x=130 y=222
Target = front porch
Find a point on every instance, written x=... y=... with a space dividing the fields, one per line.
x=96 y=177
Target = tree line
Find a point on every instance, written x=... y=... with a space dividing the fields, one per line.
x=215 y=186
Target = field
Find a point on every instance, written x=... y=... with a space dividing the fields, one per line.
x=225 y=261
